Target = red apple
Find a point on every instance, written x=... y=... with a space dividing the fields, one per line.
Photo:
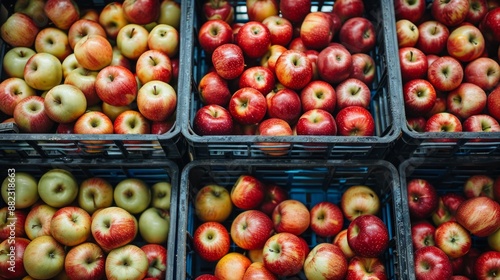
x=416 y=123
x=153 y=65
x=156 y=100
x=318 y=95
x=30 y=115
x=413 y=64
x=213 y=120
x=432 y=37
x=284 y=254
x=273 y=195
x=86 y=55
x=481 y=123
x=284 y=104
x=432 y=263
x=228 y=61
x=347 y=9
x=19 y=30
x=257 y=271
x=362 y=268
x=214 y=33
x=316 y=30
x=295 y=11
x=116 y=85
x=325 y=261
x=82 y=28
x=450 y=13
x=271 y=56
x=334 y=63
x=316 y=122
x=466 y=43
x=489 y=25
x=363 y=68
x=407 y=33
x=13 y=90
x=259 y=10
x=443 y=122
x=358 y=35
x=487 y=265
x=247 y=106
x=368 y=236
x=11 y=257
x=477 y=10
x=112 y=19
x=141 y=11
x=293 y=69
x=219 y=9
x=327 y=219
x=422 y=198
x=410 y=10
x=213 y=89
x=157 y=258
x=419 y=97
x=232 y=265
x=280 y=28
x=85 y=260
x=258 y=77
x=211 y=241
x=291 y=216
x=359 y=200
x=254 y=39
x=274 y=127
x=422 y=234
x=247 y=192
x=483 y=72
x=352 y=92
x=445 y=73
x=62 y=13
x=479 y=215
x=251 y=229
x=453 y=239
x=493 y=103
x=131 y=122
x=466 y=100
x=93 y=123
x=355 y=121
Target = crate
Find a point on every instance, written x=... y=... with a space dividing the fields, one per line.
x=50 y=145
x=446 y=176
x=113 y=171
x=307 y=181
x=385 y=105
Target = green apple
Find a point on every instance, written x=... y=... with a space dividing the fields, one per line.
x=44 y=257
x=25 y=188
x=58 y=187
x=154 y=225
x=95 y=193
x=160 y=195
x=133 y=195
x=494 y=240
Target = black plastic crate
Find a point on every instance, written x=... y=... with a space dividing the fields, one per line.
x=385 y=105
x=307 y=181
x=113 y=171
x=14 y=144
x=446 y=176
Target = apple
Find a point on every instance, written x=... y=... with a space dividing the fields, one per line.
x=11 y=257
x=359 y=200
x=274 y=127
x=465 y=43
x=326 y=219
x=466 y=100
x=363 y=68
x=432 y=37
x=316 y=122
x=273 y=195
x=445 y=73
x=284 y=104
x=228 y=61
x=271 y=56
x=213 y=89
x=422 y=234
x=161 y=195
x=254 y=39
x=19 y=30
x=214 y=33
x=141 y=11
x=479 y=185
x=258 y=10
x=316 y=30
x=325 y=261
x=12 y=222
x=318 y=95
x=341 y=241
x=453 y=239
x=112 y=19
x=419 y=97
x=219 y=9
x=38 y=221
x=284 y=254
x=153 y=65
x=443 y=122
x=432 y=263
x=83 y=27
x=493 y=240
x=493 y=102
x=13 y=90
x=291 y=216
x=44 y=257
x=211 y=241
x=93 y=122
x=413 y=64
x=90 y=14
x=85 y=261
x=86 y=55
x=58 y=187
x=352 y=92
x=313 y=57
x=213 y=203
x=207 y=276
x=232 y=265
x=422 y=198
x=84 y=80
x=157 y=259
x=154 y=225
x=251 y=229
x=358 y=35
x=116 y=85
x=132 y=194
x=15 y=60
x=95 y=193
x=62 y=13
x=347 y=9
x=69 y=64
x=70 y=225
x=258 y=77
x=489 y=24
x=247 y=106
x=113 y=227
x=361 y=268
x=54 y=41
x=170 y=13
x=416 y=123
x=487 y=265
x=368 y=236
x=450 y=13
x=481 y=123
x=213 y=120
x=334 y=63
x=294 y=11
x=132 y=40
x=37 y=69
x=156 y=100
x=293 y=69
x=477 y=10
x=164 y=38
x=483 y=72
x=479 y=215
x=128 y=261
x=442 y=214
x=355 y=121
x=65 y=103
x=34 y=9
x=30 y=115
x=26 y=189
x=451 y=201
x=407 y=33
x=257 y=271
x=247 y=192
x=281 y=29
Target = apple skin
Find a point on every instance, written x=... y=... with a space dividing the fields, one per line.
x=316 y=30
x=419 y=97
x=12 y=223
x=213 y=89
x=156 y=100
x=466 y=43
x=407 y=33
x=116 y=85
x=483 y=72
x=422 y=198
x=257 y=271
x=86 y=55
x=291 y=216
x=294 y=11
x=141 y=11
x=13 y=90
x=36 y=70
x=251 y=229
x=453 y=239
x=157 y=259
x=95 y=193
x=466 y=100
x=62 y=13
x=416 y=123
x=358 y=35
x=432 y=263
x=222 y=10
x=247 y=106
x=479 y=185
x=15 y=60
x=487 y=265
x=128 y=261
x=443 y=122
x=132 y=40
x=258 y=77
x=228 y=61
x=316 y=122
x=284 y=104
x=132 y=194
x=211 y=241
x=274 y=127
x=368 y=236
x=231 y=265
x=450 y=13
x=433 y=37
x=352 y=92
x=19 y=30
x=318 y=95
x=82 y=28
x=477 y=10
x=65 y=103
x=359 y=200
x=38 y=221
x=258 y=10
x=413 y=64
x=334 y=63
x=326 y=219
x=361 y=268
x=493 y=103
x=347 y=9
x=70 y=225
x=44 y=258
x=58 y=187
x=84 y=80
x=489 y=25
x=273 y=195
x=85 y=261
x=214 y=33
x=293 y=69
x=281 y=29
x=479 y=215
x=422 y=234
x=325 y=261
x=213 y=120
x=113 y=227
x=254 y=39
x=247 y=192
x=355 y=121
x=284 y=254
x=154 y=225
x=26 y=191
x=54 y=41
x=213 y=203
x=19 y=244
x=363 y=68
x=445 y=73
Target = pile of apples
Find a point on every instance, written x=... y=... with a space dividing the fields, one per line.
x=455 y=233
x=256 y=231
x=59 y=227
x=449 y=53
x=287 y=70
x=90 y=71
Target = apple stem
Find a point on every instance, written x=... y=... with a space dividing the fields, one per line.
x=132 y=32
x=153 y=60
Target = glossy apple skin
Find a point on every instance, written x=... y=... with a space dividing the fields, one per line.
x=355 y=121
x=284 y=104
x=251 y=229
x=254 y=39
x=487 y=264
x=359 y=268
x=259 y=10
x=213 y=120
x=453 y=239
x=422 y=198
x=211 y=241
x=352 y=92
x=318 y=95
x=213 y=203
x=359 y=200
x=450 y=13
x=316 y=122
x=274 y=127
x=347 y=9
x=466 y=100
x=294 y=11
x=281 y=30
x=291 y=216
x=483 y=72
x=325 y=260
x=247 y=192
x=419 y=97
x=340 y=70
x=258 y=77
x=326 y=219
x=15 y=37
x=247 y=106
x=479 y=185
x=19 y=244
x=413 y=11
x=293 y=69
x=445 y=73
x=368 y=236
x=116 y=85
x=493 y=103
x=141 y=11
x=432 y=263
x=62 y=13
x=316 y=30
x=232 y=265
x=257 y=271
x=85 y=260
x=422 y=234
x=413 y=64
x=466 y=43
x=489 y=25
x=273 y=195
x=113 y=227
x=228 y=61
x=30 y=115
x=214 y=33
x=363 y=68
x=284 y=254
x=443 y=122
x=433 y=37
x=358 y=35
x=479 y=215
